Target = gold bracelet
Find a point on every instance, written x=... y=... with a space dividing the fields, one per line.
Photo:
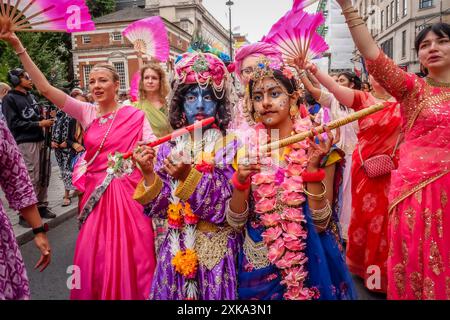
x=321 y=215
x=317 y=197
x=187 y=188
x=350 y=9
x=353 y=19
x=356 y=25
x=144 y=194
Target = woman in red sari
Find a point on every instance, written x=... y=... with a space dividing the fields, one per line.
x=419 y=237
x=367 y=245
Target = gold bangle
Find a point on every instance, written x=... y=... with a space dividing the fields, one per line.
x=321 y=215
x=349 y=10
x=187 y=188
x=144 y=194
x=317 y=197
x=353 y=19
x=356 y=25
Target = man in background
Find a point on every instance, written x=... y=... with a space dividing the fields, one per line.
x=26 y=123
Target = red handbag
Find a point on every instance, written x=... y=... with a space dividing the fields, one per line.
x=379 y=165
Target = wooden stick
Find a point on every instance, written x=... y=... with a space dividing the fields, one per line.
x=16 y=6
x=2 y=8
x=22 y=13
x=22 y=27
x=8 y=8
x=331 y=125
x=35 y=15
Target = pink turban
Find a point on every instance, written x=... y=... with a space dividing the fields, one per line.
x=255 y=50
x=201 y=68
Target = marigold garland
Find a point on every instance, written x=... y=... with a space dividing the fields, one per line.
x=185 y=262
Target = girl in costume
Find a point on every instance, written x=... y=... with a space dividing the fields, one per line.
x=16 y=184
x=379 y=134
x=189 y=185
x=245 y=62
x=419 y=211
x=292 y=249
x=114 y=249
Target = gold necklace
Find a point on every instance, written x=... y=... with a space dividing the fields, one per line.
x=380 y=97
x=435 y=83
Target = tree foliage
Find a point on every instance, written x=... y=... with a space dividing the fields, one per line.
x=50 y=52
x=99 y=8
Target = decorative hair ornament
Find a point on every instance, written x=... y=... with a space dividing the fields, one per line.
x=203 y=69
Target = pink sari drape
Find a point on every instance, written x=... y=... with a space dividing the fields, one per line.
x=419 y=226
x=115 y=248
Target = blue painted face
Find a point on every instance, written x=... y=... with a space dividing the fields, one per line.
x=199 y=104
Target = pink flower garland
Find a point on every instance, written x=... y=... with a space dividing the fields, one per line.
x=279 y=203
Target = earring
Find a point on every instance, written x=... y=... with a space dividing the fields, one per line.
x=293 y=111
x=257 y=116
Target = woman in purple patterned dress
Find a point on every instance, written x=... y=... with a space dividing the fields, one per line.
x=18 y=189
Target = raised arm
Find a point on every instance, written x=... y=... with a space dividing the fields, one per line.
x=315 y=92
x=360 y=33
x=343 y=94
x=53 y=94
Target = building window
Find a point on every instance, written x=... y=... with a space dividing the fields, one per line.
x=388 y=48
x=387 y=16
x=425 y=4
x=117 y=36
x=392 y=13
x=120 y=67
x=405 y=7
x=86 y=39
x=86 y=71
x=397 y=9
x=404 y=44
x=382 y=20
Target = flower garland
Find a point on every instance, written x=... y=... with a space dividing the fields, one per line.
x=185 y=262
x=180 y=216
x=279 y=198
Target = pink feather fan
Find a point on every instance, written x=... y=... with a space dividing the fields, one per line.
x=149 y=36
x=302 y=4
x=296 y=37
x=46 y=15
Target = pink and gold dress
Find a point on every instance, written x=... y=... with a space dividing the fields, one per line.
x=419 y=222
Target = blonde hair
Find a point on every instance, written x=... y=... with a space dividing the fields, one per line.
x=111 y=69
x=163 y=83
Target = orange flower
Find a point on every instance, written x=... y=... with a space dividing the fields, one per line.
x=186 y=263
x=189 y=216
x=174 y=216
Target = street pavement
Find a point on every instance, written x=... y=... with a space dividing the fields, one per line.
x=51 y=284
x=55 y=198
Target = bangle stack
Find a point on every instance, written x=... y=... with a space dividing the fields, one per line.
x=351 y=14
x=234 y=219
x=316 y=197
x=321 y=217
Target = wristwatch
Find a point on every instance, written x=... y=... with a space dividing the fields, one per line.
x=44 y=228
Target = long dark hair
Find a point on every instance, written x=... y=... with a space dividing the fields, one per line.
x=353 y=78
x=177 y=117
x=441 y=29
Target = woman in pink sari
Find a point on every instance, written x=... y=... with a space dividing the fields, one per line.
x=114 y=254
x=419 y=253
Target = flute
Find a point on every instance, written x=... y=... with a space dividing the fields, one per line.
x=331 y=125
x=177 y=133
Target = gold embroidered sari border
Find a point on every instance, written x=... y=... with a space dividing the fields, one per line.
x=421 y=185
x=431 y=100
